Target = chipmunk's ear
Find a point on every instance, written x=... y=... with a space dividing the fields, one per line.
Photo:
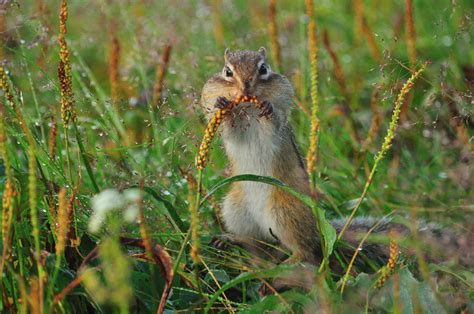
x=262 y=51
x=227 y=53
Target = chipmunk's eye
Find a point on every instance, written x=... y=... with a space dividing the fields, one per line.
x=228 y=72
x=263 y=69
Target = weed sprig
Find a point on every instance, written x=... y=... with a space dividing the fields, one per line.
x=313 y=56
x=387 y=141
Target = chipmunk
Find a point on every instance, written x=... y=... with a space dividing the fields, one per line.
x=259 y=140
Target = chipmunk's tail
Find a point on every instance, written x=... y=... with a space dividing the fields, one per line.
x=438 y=244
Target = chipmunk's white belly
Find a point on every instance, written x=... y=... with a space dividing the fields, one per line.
x=252 y=147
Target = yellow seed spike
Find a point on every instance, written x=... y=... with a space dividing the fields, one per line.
x=388 y=269
x=213 y=126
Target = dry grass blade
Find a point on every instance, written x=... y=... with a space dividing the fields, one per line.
x=375 y=120
x=114 y=60
x=195 y=226
x=217 y=29
x=411 y=47
x=338 y=73
x=374 y=50
x=410 y=33
x=71 y=285
x=160 y=74
x=301 y=106
x=358 y=8
x=74 y=241
x=273 y=32
x=141 y=220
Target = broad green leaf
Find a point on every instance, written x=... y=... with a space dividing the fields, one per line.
x=327 y=230
x=265 y=273
x=263 y=179
x=294 y=301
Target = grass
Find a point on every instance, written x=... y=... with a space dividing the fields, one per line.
x=133 y=124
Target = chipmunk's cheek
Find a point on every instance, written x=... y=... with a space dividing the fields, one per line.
x=235 y=93
x=263 y=93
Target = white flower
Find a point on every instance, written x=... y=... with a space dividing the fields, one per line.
x=132 y=197
x=107 y=200
x=112 y=199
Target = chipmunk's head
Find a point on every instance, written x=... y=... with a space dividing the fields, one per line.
x=246 y=70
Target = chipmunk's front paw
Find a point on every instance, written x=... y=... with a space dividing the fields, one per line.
x=266 y=109
x=222 y=103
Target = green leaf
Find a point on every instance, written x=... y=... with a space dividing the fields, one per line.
x=327 y=231
x=263 y=179
x=295 y=301
x=413 y=294
x=265 y=273
x=219 y=274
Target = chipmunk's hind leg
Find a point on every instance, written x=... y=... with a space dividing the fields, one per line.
x=223 y=241
x=295 y=258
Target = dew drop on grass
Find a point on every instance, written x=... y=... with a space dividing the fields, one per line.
x=447 y=41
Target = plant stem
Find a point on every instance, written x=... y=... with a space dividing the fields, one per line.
x=84 y=159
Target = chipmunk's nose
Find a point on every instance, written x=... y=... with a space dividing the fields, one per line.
x=247 y=86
